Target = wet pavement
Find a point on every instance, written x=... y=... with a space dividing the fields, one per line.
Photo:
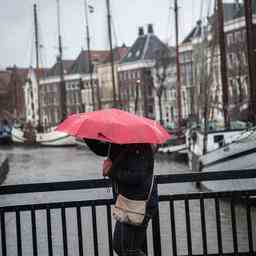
x=34 y=165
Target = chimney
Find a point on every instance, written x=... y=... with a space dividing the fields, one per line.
x=141 y=31
x=150 y=29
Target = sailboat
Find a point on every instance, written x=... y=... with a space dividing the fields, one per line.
x=228 y=149
x=176 y=144
x=28 y=134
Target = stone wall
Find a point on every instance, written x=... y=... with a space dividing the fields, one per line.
x=4 y=168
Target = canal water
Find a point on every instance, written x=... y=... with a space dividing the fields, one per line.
x=37 y=165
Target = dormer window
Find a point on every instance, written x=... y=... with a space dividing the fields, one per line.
x=129 y=54
x=138 y=53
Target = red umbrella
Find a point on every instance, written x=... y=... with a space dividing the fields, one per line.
x=115 y=126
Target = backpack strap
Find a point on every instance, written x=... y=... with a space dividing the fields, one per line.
x=151 y=188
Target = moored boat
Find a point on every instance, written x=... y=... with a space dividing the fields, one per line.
x=5 y=133
x=53 y=138
x=240 y=154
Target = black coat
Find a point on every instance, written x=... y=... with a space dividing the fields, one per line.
x=132 y=169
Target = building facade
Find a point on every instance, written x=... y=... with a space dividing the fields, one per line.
x=135 y=74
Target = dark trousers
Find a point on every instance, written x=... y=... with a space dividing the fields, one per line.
x=130 y=240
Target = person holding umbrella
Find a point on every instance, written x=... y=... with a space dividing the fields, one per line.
x=130 y=167
x=126 y=139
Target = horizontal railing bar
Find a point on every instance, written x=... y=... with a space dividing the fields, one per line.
x=43 y=206
x=55 y=186
x=223 y=254
x=208 y=195
x=100 y=202
x=206 y=176
x=103 y=183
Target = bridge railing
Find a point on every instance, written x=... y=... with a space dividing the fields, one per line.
x=200 y=223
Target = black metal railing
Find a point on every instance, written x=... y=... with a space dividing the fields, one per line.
x=181 y=226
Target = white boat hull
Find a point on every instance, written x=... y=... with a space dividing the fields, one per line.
x=238 y=155
x=18 y=136
x=53 y=138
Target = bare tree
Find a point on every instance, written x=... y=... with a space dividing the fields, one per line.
x=204 y=57
x=162 y=61
x=238 y=72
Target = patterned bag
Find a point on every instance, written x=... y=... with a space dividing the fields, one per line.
x=131 y=211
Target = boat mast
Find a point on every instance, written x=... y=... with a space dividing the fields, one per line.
x=178 y=83
x=60 y=61
x=111 y=53
x=36 y=37
x=251 y=57
x=89 y=53
x=223 y=63
x=37 y=65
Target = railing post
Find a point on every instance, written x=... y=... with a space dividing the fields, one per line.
x=156 y=233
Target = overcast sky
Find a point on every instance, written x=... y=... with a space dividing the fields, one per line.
x=16 y=25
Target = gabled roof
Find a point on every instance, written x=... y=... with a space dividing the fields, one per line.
x=231 y=11
x=55 y=70
x=144 y=48
x=120 y=52
x=194 y=33
x=81 y=64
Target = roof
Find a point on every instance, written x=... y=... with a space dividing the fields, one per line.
x=55 y=70
x=240 y=11
x=231 y=11
x=20 y=73
x=144 y=48
x=194 y=33
x=42 y=72
x=119 y=53
x=81 y=64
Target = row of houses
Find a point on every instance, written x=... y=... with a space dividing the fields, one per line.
x=145 y=76
x=12 y=105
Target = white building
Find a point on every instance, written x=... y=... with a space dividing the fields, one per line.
x=31 y=97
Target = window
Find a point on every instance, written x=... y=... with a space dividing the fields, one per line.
x=172 y=113
x=230 y=39
x=165 y=94
x=150 y=91
x=150 y=109
x=219 y=139
x=133 y=91
x=189 y=73
x=238 y=36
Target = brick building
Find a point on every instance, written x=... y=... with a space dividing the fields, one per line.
x=134 y=74
x=11 y=92
x=77 y=87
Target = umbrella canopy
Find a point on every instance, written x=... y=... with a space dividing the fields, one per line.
x=115 y=126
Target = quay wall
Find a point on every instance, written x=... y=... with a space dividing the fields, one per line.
x=4 y=168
